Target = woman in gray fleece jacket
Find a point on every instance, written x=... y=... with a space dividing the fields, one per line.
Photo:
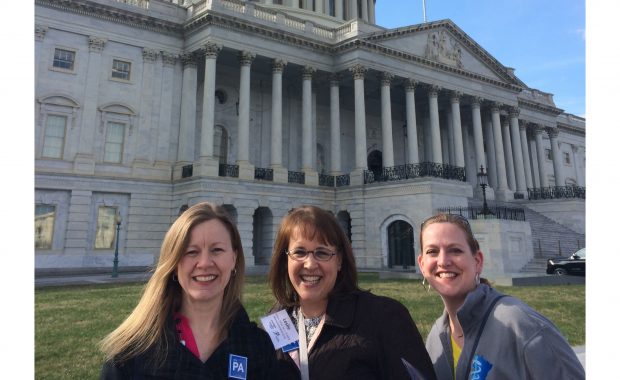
x=483 y=334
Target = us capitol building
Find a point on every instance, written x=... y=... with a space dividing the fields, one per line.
x=146 y=107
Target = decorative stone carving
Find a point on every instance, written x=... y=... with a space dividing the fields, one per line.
x=411 y=84
x=476 y=101
x=443 y=48
x=307 y=72
x=168 y=58
x=455 y=96
x=495 y=106
x=149 y=55
x=358 y=71
x=334 y=79
x=211 y=50
x=278 y=65
x=514 y=112
x=552 y=132
x=433 y=90
x=246 y=58
x=386 y=78
x=39 y=32
x=188 y=59
x=96 y=44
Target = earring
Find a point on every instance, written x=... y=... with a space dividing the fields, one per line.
x=424 y=284
x=477 y=279
x=174 y=278
x=234 y=272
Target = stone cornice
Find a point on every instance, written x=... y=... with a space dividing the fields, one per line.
x=571 y=129
x=540 y=107
x=116 y=15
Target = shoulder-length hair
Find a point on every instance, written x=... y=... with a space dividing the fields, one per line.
x=312 y=223
x=144 y=329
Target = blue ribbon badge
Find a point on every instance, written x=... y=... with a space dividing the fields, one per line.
x=480 y=368
x=237 y=367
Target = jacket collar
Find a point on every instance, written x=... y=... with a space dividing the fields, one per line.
x=474 y=307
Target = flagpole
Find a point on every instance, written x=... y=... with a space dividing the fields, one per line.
x=424 y=9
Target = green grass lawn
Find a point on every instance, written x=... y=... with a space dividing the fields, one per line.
x=70 y=321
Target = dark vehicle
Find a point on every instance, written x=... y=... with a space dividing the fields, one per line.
x=575 y=264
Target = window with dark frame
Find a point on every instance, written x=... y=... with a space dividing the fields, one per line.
x=64 y=59
x=121 y=69
x=566 y=158
x=548 y=154
x=44 y=217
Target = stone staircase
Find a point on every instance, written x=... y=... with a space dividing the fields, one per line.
x=549 y=238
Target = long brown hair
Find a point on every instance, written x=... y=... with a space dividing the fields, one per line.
x=144 y=328
x=313 y=223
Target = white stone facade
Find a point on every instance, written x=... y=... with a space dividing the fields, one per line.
x=272 y=87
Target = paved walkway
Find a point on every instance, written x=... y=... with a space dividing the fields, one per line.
x=86 y=279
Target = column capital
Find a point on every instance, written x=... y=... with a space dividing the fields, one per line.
x=433 y=90
x=514 y=112
x=358 y=71
x=523 y=125
x=538 y=129
x=476 y=101
x=552 y=132
x=40 y=31
x=168 y=58
x=188 y=59
x=307 y=72
x=278 y=65
x=495 y=106
x=411 y=84
x=334 y=79
x=149 y=55
x=455 y=96
x=96 y=44
x=211 y=50
x=246 y=58
x=386 y=78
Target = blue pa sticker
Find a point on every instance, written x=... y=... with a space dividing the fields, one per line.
x=291 y=347
x=237 y=367
x=480 y=368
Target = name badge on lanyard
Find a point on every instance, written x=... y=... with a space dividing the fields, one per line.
x=281 y=330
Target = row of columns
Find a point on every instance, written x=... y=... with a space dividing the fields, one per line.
x=340 y=7
x=507 y=145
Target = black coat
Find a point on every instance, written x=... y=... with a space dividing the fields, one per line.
x=364 y=337
x=244 y=339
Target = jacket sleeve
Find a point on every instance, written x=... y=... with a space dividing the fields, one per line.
x=549 y=356
x=402 y=340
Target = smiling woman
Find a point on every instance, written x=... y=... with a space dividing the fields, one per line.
x=190 y=320
x=482 y=331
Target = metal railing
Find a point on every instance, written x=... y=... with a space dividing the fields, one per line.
x=296 y=177
x=227 y=170
x=556 y=192
x=493 y=212
x=408 y=171
x=264 y=174
x=187 y=171
x=343 y=180
x=326 y=180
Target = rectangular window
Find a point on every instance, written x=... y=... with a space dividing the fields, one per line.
x=548 y=154
x=114 y=139
x=64 y=59
x=566 y=158
x=54 y=139
x=121 y=69
x=44 y=216
x=106 y=227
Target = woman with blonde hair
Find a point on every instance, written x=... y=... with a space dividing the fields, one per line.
x=190 y=322
x=482 y=333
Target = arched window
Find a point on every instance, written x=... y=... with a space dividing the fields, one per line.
x=400 y=245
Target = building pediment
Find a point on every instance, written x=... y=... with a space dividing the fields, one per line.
x=444 y=43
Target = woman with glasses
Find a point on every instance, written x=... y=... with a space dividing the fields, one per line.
x=344 y=332
x=483 y=333
x=190 y=323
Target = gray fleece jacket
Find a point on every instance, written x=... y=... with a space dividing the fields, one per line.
x=516 y=343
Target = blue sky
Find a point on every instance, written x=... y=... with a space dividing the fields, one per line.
x=544 y=41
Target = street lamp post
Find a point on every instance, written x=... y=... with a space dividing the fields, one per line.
x=483 y=183
x=118 y=221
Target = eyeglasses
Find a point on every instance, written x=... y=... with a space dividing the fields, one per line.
x=320 y=254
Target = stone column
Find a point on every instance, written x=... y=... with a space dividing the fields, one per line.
x=209 y=165
x=412 y=129
x=338 y=10
x=490 y=144
x=365 y=10
x=84 y=162
x=280 y=173
x=371 y=12
x=334 y=118
x=534 y=159
x=556 y=155
x=517 y=152
x=434 y=118
x=143 y=151
x=246 y=169
x=577 y=166
x=510 y=169
x=308 y=160
x=540 y=150
x=162 y=153
x=457 y=129
x=318 y=6
x=187 y=127
x=502 y=182
x=478 y=139
x=353 y=10
x=357 y=176
x=527 y=167
x=386 y=120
